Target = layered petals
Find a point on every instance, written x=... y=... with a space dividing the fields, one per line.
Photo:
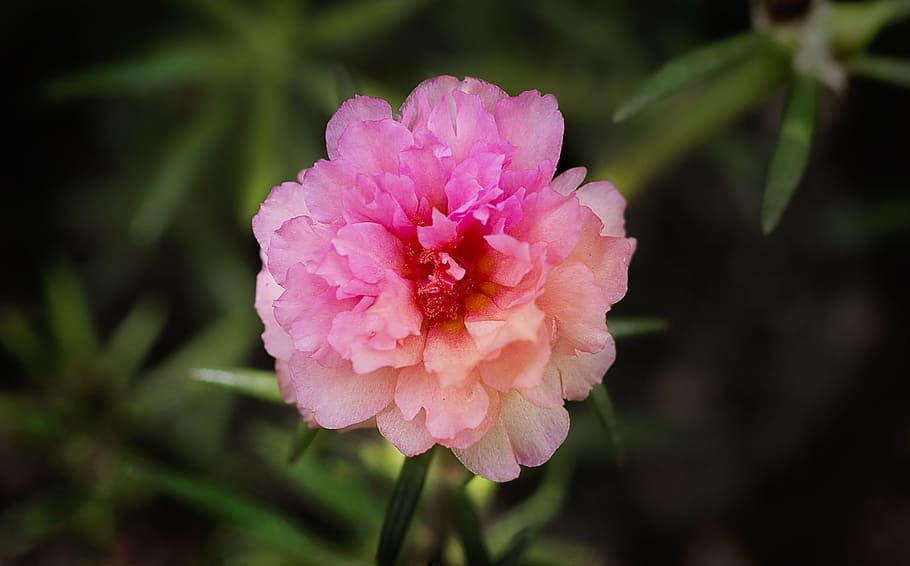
x=433 y=279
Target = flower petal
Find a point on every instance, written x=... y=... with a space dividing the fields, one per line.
x=533 y=124
x=357 y=109
x=579 y=372
x=409 y=436
x=570 y=296
x=607 y=203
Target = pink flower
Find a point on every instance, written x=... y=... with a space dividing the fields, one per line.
x=433 y=277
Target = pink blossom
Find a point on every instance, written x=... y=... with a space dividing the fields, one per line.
x=434 y=278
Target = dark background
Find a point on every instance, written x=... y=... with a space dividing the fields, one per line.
x=768 y=425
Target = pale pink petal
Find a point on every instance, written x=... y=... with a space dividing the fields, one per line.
x=338 y=397
x=550 y=218
x=549 y=392
x=581 y=371
x=451 y=353
x=491 y=457
x=372 y=251
x=299 y=240
x=534 y=125
x=607 y=203
x=415 y=389
x=568 y=180
x=423 y=99
x=607 y=257
x=571 y=297
x=373 y=147
x=520 y=365
x=307 y=308
x=323 y=185
x=441 y=233
x=353 y=110
x=285 y=381
x=455 y=409
x=284 y=202
x=277 y=342
x=429 y=172
x=535 y=432
x=409 y=436
x=508 y=261
x=461 y=123
x=493 y=329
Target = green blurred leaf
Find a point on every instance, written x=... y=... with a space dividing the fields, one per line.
x=177 y=173
x=336 y=485
x=19 y=339
x=792 y=151
x=265 y=144
x=132 y=339
x=467 y=525
x=401 y=507
x=600 y=404
x=851 y=26
x=167 y=67
x=303 y=437
x=627 y=327
x=253 y=382
x=687 y=69
x=69 y=314
x=346 y=23
x=254 y=518
x=513 y=553
x=886 y=69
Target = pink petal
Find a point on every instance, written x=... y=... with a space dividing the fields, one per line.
x=307 y=308
x=460 y=121
x=493 y=329
x=371 y=250
x=607 y=257
x=338 y=397
x=581 y=371
x=508 y=261
x=277 y=342
x=455 y=409
x=357 y=109
x=428 y=172
x=568 y=180
x=533 y=124
x=409 y=436
x=323 y=186
x=570 y=296
x=607 y=203
x=284 y=202
x=520 y=365
x=550 y=218
x=450 y=352
x=526 y=435
x=299 y=240
x=373 y=147
x=441 y=233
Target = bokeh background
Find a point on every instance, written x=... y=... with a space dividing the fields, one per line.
x=767 y=424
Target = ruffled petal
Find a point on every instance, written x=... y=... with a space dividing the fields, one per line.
x=353 y=110
x=410 y=436
x=579 y=372
x=533 y=124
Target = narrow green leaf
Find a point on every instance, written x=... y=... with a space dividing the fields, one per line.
x=69 y=314
x=886 y=69
x=513 y=553
x=132 y=339
x=177 y=172
x=402 y=506
x=627 y=327
x=303 y=437
x=600 y=404
x=19 y=339
x=255 y=383
x=353 y=22
x=264 y=148
x=687 y=69
x=467 y=525
x=164 y=68
x=792 y=151
x=255 y=519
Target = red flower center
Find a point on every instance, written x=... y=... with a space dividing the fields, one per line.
x=441 y=285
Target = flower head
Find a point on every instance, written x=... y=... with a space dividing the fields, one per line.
x=433 y=277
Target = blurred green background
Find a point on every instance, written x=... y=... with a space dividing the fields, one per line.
x=768 y=424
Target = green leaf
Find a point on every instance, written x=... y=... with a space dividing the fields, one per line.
x=402 y=506
x=600 y=404
x=345 y=23
x=69 y=314
x=792 y=151
x=264 y=148
x=133 y=338
x=177 y=172
x=255 y=519
x=886 y=69
x=19 y=339
x=467 y=525
x=627 y=327
x=303 y=437
x=513 y=553
x=687 y=69
x=167 y=67
x=253 y=382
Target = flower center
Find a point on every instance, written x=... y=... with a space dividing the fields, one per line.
x=441 y=284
